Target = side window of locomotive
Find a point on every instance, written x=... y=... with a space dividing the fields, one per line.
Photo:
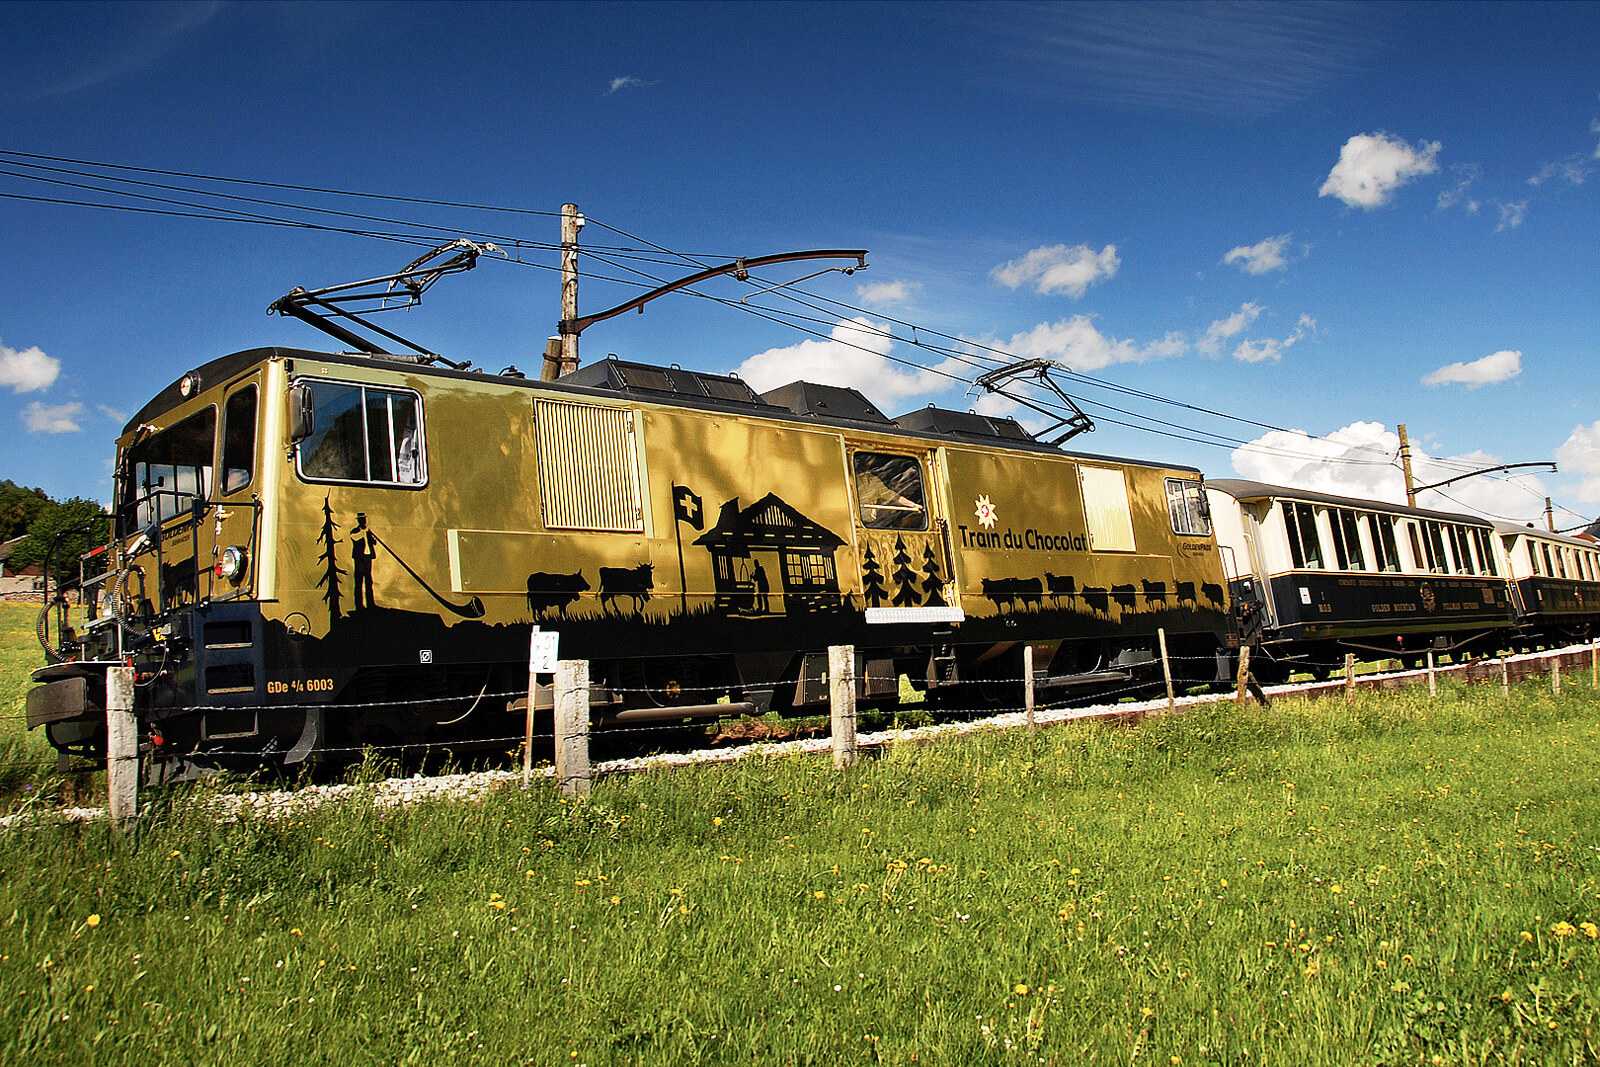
x=168 y=471
x=889 y=492
x=239 y=440
x=364 y=434
x=1186 y=504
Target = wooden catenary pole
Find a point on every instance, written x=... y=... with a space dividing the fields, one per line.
x=122 y=749
x=842 y=703
x=571 y=223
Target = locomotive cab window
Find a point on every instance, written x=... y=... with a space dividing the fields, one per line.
x=239 y=440
x=889 y=491
x=1186 y=503
x=363 y=434
x=167 y=472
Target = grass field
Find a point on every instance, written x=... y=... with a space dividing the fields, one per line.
x=1401 y=881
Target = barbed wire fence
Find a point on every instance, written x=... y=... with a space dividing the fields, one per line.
x=963 y=706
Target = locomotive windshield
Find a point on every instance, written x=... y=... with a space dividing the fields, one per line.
x=166 y=472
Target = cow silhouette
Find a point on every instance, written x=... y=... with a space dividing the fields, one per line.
x=1058 y=586
x=634 y=583
x=546 y=591
x=1096 y=597
x=1186 y=593
x=1126 y=596
x=1154 y=593
x=1013 y=592
x=1212 y=592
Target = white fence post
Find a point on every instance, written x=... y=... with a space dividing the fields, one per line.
x=1555 y=673
x=1166 y=669
x=572 y=727
x=122 y=749
x=842 y=703
x=1027 y=687
x=1433 y=679
x=1505 y=679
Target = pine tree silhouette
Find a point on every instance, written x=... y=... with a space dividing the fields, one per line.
x=331 y=571
x=904 y=577
x=872 y=590
x=932 y=583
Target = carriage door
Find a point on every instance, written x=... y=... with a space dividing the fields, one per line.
x=902 y=535
x=232 y=525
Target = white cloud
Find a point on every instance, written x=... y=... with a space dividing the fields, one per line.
x=627 y=81
x=61 y=418
x=1079 y=344
x=1580 y=454
x=1512 y=212
x=895 y=292
x=1059 y=269
x=854 y=355
x=1574 y=170
x=27 y=371
x=1502 y=366
x=1261 y=258
x=1231 y=326
x=1466 y=174
x=112 y=413
x=1362 y=460
x=1373 y=165
x=1256 y=350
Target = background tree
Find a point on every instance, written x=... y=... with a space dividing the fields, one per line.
x=18 y=508
x=89 y=526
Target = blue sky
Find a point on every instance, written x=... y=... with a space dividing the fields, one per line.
x=1320 y=219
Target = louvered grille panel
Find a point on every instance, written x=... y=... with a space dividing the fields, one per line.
x=588 y=469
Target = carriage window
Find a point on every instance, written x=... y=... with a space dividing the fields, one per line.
x=1459 y=538
x=1305 y=547
x=1549 y=568
x=364 y=434
x=239 y=440
x=167 y=472
x=1186 y=504
x=1533 y=557
x=1385 y=553
x=1346 y=540
x=1433 y=539
x=889 y=492
x=1486 y=553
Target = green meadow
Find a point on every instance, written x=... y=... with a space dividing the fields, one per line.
x=1398 y=881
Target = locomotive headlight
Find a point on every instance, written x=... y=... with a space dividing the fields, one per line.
x=188 y=385
x=231 y=563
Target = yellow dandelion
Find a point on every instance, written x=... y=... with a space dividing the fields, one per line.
x=819 y=894
x=498 y=904
x=716 y=821
x=1338 y=889
x=1383 y=965
x=1526 y=936
x=1407 y=960
x=683 y=909
x=1563 y=929
x=93 y=920
x=1146 y=1012
x=616 y=900
x=1020 y=990
x=582 y=882
x=296 y=931
x=1590 y=930
x=1224 y=883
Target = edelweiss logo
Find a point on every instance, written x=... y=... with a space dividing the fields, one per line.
x=985 y=512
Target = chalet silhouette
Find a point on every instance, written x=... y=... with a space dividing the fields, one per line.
x=799 y=560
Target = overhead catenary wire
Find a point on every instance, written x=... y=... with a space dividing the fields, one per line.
x=971 y=353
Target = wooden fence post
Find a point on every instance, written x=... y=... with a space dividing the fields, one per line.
x=122 y=749
x=1349 y=677
x=1027 y=687
x=1555 y=673
x=1166 y=669
x=1505 y=679
x=1594 y=664
x=1244 y=674
x=1433 y=679
x=573 y=774
x=842 y=703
